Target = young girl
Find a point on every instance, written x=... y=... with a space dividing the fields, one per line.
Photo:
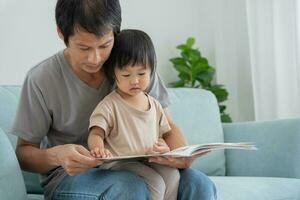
x=130 y=122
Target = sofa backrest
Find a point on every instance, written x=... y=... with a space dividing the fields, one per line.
x=278 y=153
x=13 y=185
x=9 y=97
x=195 y=111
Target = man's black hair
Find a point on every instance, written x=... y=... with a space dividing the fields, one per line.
x=131 y=47
x=94 y=16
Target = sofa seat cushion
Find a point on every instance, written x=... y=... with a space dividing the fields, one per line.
x=35 y=197
x=258 y=188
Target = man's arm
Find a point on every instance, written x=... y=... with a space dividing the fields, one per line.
x=34 y=159
x=73 y=158
x=174 y=138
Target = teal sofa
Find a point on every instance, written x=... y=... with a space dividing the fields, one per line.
x=270 y=173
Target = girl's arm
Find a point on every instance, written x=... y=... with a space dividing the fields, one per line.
x=96 y=144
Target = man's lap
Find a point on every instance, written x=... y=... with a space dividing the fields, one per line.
x=102 y=184
x=108 y=184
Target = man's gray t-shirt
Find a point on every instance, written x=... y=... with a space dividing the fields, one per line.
x=55 y=107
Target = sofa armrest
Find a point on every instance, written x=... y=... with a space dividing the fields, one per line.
x=11 y=180
x=278 y=148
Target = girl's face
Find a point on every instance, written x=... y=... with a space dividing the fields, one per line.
x=132 y=80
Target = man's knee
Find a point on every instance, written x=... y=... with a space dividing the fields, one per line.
x=194 y=184
x=128 y=186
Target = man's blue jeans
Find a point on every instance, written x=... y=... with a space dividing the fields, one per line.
x=114 y=185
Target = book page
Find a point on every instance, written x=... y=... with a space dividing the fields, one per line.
x=188 y=151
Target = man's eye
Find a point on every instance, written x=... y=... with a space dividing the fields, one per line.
x=105 y=46
x=84 y=49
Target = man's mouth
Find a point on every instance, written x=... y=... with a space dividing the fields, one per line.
x=93 y=66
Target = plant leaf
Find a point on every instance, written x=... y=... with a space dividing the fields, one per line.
x=182 y=47
x=190 y=42
x=222 y=108
x=185 y=77
x=220 y=93
x=195 y=71
x=178 y=61
x=179 y=83
x=182 y=69
x=204 y=78
x=225 y=118
x=185 y=55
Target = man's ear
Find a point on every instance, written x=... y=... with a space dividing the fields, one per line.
x=60 y=34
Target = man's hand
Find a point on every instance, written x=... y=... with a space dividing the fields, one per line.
x=74 y=158
x=159 y=147
x=175 y=162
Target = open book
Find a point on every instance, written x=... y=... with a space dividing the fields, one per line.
x=188 y=151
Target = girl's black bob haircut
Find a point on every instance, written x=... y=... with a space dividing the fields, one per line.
x=131 y=47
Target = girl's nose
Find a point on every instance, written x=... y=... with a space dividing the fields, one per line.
x=134 y=81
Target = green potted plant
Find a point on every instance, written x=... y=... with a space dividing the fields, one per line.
x=195 y=71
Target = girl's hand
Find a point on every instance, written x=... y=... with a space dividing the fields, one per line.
x=159 y=147
x=101 y=153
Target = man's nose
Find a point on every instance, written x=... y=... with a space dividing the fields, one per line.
x=94 y=57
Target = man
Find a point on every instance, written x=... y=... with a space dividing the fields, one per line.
x=57 y=98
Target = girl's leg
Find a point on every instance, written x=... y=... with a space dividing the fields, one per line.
x=171 y=178
x=152 y=178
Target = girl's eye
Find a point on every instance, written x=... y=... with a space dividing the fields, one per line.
x=125 y=75
x=142 y=74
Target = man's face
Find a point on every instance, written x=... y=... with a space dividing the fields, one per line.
x=86 y=52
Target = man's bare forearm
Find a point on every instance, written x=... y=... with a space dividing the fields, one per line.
x=34 y=159
x=174 y=138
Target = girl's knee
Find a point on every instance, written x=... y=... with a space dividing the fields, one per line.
x=172 y=178
x=157 y=187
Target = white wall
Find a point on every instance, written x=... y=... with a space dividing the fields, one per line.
x=233 y=57
x=28 y=35
x=28 y=32
x=169 y=23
